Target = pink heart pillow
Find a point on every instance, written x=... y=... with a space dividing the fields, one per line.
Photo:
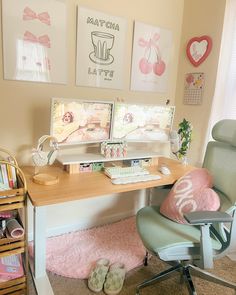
x=192 y=192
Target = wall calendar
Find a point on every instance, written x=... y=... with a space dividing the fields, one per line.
x=193 y=88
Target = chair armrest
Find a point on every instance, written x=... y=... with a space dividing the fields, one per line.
x=203 y=217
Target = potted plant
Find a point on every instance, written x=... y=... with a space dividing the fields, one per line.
x=185 y=138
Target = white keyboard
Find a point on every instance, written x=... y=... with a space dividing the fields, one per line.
x=120 y=172
x=133 y=179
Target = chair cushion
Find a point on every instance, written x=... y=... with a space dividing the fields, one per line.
x=161 y=235
x=192 y=192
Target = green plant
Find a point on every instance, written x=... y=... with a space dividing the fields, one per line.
x=185 y=137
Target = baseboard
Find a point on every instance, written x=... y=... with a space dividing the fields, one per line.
x=85 y=224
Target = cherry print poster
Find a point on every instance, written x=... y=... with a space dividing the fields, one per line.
x=34 y=40
x=101 y=44
x=151 y=55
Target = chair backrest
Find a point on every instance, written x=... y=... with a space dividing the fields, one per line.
x=220 y=160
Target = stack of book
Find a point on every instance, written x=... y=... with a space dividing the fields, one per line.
x=8 y=178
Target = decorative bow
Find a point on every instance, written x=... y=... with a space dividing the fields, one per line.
x=29 y=14
x=151 y=43
x=43 y=40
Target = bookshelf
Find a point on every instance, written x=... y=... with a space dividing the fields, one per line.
x=13 y=241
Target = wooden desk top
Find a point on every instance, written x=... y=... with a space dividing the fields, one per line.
x=80 y=186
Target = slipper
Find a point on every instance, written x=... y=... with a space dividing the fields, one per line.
x=115 y=279
x=98 y=275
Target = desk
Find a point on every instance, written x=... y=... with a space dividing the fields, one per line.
x=77 y=187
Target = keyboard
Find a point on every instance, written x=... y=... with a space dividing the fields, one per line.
x=134 y=179
x=120 y=172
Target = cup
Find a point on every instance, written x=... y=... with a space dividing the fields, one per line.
x=102 y=43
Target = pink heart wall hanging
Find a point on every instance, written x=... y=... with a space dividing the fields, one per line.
x=198 y=49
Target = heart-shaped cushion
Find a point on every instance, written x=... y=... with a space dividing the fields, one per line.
x=192 y=192
x=198 y=49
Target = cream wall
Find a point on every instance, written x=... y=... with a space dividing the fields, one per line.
x=25 y=106
x=202 y=17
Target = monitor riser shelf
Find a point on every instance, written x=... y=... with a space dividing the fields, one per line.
x=72 y=161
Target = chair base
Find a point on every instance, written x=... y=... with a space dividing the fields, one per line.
x=185 y=273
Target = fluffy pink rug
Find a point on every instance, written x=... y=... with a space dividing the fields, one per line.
x=74 y=254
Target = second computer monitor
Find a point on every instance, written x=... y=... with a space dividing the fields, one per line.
x=141 y=122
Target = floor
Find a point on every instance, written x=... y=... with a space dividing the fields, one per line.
x=223 y=267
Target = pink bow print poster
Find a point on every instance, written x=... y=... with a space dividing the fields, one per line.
x=34 y=40
x=151 y=57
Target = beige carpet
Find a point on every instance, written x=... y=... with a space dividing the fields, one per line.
x=223 y=267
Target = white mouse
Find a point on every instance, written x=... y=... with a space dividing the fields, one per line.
x=164 y=170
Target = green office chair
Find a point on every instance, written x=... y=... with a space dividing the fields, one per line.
x=211 y=234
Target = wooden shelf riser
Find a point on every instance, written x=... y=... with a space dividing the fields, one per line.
x=11 y=206
x=14 y=288
x=12 y=252
x=6 y=241
x=18 y=286
x=13 y=192
x=9 y=200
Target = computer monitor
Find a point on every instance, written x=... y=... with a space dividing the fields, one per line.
x=75 y=121
x=142 y=122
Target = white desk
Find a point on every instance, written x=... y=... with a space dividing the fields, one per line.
x=75 y=187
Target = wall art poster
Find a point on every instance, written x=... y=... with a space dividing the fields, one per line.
x=151 y=55
x=34 y=40
x=100 y=49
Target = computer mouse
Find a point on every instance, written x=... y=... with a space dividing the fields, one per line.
x=164 y=170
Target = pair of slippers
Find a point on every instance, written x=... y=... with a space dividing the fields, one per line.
x=110 y=278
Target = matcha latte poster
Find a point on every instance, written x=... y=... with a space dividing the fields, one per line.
x=100 y=49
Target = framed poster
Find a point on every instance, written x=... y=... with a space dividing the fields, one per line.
x=100 y=49
x=151 y=55
x=34 y=40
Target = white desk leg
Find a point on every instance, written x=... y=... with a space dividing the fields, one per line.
x=41 y=280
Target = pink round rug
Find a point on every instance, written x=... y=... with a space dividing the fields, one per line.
x=74 y=254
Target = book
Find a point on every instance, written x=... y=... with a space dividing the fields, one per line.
x=13 y=173
x=1 y=178
x=9 y=175
x=4 y=174
x=11 y=267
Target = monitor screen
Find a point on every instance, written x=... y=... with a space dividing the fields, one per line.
x=139 y=122
x=76 y=121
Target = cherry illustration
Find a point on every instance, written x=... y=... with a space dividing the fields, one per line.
x=145 y=66
x=159 y=67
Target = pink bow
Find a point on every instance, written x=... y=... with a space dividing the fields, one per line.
x=43 y=40
x=29 y=14
x=152 y=41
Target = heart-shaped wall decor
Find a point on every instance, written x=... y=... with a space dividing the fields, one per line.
x=198 y=49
